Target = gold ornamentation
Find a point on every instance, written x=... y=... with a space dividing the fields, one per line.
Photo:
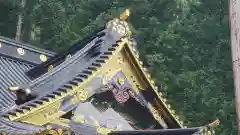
x=125 y=15
x=160 y=94
x=120 y=60
x=20 y=51
x=214 y=124
x=152 y=82
x=50 y=68
x=43 y=58
x=50 y=131
x=121 y=80
x=209 y=132
x=82 y=94
x=156 y=115
x=103 y=131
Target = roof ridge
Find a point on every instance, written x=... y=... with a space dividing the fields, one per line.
x=26 y=46
x=22 y=51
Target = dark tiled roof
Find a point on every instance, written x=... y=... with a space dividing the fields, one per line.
x=61 y=56
x=12 y=73
x=13 y=67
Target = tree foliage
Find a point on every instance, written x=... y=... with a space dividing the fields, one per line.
x=186 y=44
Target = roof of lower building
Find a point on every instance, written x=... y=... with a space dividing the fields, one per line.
x=16 y=58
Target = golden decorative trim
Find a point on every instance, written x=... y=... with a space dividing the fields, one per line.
x=152 y=84
x=157 y=116
x=82 y=94
x=103 y=131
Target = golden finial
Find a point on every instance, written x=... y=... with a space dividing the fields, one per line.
x=214 y=124
x=125 y=15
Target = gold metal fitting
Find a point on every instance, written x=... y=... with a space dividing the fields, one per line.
x=50 y=68
x=160 y=94
x=125 y=15
x=121 y=80
x=43 y=58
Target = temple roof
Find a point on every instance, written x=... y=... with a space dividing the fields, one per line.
x=14 y=65
x=56 y=84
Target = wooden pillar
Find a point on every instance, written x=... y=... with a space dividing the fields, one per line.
x=234 y=17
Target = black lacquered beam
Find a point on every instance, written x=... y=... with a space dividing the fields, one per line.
x=180 y=131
